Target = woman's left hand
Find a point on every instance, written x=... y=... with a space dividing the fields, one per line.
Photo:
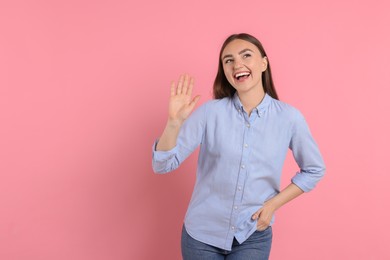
x=264 y=216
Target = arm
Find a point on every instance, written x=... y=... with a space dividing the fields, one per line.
x=312 y=168
x=182 y=133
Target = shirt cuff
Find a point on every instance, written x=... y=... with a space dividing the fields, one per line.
x=301 y=181
x=163 y=155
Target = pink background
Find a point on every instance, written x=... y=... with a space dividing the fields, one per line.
x=84 y=87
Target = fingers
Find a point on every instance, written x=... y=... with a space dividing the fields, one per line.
x=262 y=224
x=190 y=87
x=194 y=101
x=262 y=227
x=257 y=214
x=184 y=86
x=173 y=88
x=180 y=85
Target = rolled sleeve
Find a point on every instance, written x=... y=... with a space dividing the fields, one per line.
x=164 y=161
x=307 y=156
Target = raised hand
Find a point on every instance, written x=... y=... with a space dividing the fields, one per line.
x=180 y=106
x=181 y=103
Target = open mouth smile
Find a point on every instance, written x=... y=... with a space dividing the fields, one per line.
x=241 y=76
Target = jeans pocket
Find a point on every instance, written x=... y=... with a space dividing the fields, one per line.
x=265 y=231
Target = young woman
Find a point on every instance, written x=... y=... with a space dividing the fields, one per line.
x=244 y=135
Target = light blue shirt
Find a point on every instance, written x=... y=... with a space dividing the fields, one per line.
x=240 y=164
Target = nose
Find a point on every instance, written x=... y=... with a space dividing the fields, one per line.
x=237 y=64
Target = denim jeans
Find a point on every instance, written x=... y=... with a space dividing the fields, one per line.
x=257 y=246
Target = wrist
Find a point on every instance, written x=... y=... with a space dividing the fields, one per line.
x=272 y=204
x=174 y=123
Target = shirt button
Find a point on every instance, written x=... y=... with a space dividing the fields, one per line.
x=235 y=207
x=248 y=125
x=233 y=227
x=243 y=166
x=239 y=188
x=246 y=145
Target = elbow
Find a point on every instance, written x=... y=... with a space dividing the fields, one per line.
x=307 y=180
x=318 y=173
x=158 y=168
x=321 y=170
x=163 y=167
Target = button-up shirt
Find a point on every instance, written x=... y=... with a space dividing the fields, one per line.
x=240 y=164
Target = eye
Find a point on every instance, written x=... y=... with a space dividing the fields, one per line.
x=247 y=55
x=228 y=61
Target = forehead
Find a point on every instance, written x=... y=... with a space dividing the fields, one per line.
x=235 y=46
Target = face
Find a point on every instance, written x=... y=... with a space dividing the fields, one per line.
x=243 y=66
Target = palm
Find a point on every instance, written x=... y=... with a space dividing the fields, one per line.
x=180 y=103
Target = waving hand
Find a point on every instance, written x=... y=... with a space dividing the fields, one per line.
x=180 y=106
x=181 y=103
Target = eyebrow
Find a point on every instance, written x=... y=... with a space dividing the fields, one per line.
x=241 y=52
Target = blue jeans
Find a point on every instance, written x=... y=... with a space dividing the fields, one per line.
x=257 y=246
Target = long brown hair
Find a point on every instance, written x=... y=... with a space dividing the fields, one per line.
x=222 y=87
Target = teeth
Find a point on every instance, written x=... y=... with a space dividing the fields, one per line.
x=242 y=74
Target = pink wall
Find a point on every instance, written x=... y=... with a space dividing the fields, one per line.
x=84 y=87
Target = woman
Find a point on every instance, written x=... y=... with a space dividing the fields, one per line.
x=244 y=135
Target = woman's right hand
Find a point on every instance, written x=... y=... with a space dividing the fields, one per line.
x=181 y=103
x=180 y=106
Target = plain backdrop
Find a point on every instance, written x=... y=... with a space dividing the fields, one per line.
x=84 y=88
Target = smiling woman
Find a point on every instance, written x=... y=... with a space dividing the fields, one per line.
x=238 y=181
x=222 y=86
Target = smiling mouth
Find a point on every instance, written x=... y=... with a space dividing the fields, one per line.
x=241 y=76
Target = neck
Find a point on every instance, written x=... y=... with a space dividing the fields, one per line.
x=250 y=100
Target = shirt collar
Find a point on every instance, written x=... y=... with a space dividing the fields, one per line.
x=259 y=109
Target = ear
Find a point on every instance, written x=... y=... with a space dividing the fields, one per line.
x=264 y=64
